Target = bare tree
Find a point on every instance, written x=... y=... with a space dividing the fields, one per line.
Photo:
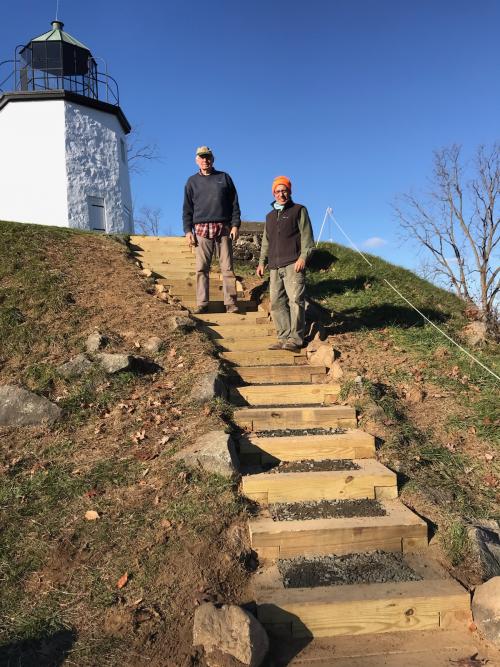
x=148 y=220
x=140 y=152
x=459 y=226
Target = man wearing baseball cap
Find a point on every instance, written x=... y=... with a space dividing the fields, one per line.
x=286 y=244
x=211 y=220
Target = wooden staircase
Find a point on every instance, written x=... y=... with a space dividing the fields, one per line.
x=287 y=412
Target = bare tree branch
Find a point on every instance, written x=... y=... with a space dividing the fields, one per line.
x=149 y=220
x=458 y=224
x=140 y=152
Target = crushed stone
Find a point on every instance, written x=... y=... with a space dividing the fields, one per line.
x=374 y=567
x=326 y=509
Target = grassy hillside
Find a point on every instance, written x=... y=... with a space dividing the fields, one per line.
x=161 y=524
x=436 y=412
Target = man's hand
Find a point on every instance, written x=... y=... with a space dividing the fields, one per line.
x=234 y=233
x=190 y=239
x=300 y=265
x=260 y=270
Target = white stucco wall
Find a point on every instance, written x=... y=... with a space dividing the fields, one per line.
x=95 y=167
x=33 y=184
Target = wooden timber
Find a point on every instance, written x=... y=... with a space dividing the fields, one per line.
x=287 y=487
x=244 y=344
x=277 y=374
x=259 y=450
x=261 y=419
x=399 y=530
x=232 y=319
x=289 y=394
x=237 y=331
x=364 y=608
x=265 y=358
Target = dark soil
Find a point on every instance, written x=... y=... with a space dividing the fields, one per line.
x=310 y=465
x=326 y=509
x=287 y=432
x=375 y=567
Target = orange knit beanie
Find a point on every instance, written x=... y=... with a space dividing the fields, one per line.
x=282 y=180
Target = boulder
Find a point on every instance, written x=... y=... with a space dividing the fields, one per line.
x=486 y=609
x=95 y=342
x=320 y=353
x=207 y=387
x=75 y=367
x=153 y=345
x=231 y=632
x=214 y=452
x=19 y=407
x=335 y=372
x=484 y=537
x=476 y=333
x=181 y=323
x=114 y=363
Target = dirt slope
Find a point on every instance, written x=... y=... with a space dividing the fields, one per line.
x=166 y=528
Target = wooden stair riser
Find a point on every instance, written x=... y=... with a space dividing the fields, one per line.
x=262 y=419
x=218 y=306
x=390 y=613
x=278 y=374
x=331 y=485
x=292 y=394
x=255 y=343
x=265 y=358
x=255 y=450
x=233 y=319
x=239 y=331
x=400 y=530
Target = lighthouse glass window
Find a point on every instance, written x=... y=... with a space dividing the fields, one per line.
x=97 y=214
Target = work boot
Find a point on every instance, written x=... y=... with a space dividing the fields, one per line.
x=232 y=309
x=199 y=310
x=291 y=346
x=277 y=346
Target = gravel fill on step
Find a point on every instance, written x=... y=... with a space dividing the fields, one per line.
x=375 y=567
x=310 y=465
x=287 y=432
x=326 y=509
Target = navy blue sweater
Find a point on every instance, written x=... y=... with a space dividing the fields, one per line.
x=211 y=198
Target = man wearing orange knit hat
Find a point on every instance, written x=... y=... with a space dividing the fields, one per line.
x=286 y=244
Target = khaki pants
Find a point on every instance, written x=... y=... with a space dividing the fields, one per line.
x=204 y=253
x=288 y=303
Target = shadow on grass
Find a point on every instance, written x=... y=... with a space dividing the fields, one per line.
x=325 y=288
x=386 y=314
x=321 y=260
x=50 y=651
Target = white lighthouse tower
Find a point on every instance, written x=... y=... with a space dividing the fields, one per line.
x=63 y=152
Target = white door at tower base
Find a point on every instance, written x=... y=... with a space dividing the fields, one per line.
x=97 y=214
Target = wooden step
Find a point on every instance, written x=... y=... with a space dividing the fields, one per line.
x=371 y=480
x=435 y=602
x=265 y=358
x=215 y=294
x=399 y=530
x=218 y=306
x=241 y=330
x=266 y=419
x=279 y=374
x=233 y=319
x=288 y=394
x=419 y=648
x=259 y=450
x=248 y=344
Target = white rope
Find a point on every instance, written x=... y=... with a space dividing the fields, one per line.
x=329 y=213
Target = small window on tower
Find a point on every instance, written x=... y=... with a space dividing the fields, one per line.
x=123 y=150
x=97 y=214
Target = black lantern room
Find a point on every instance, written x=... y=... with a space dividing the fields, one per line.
x=56 y=60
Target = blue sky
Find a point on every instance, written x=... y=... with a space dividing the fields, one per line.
x=347 y=97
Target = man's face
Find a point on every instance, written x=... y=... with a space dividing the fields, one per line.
x=204 y=161
x=282 y=194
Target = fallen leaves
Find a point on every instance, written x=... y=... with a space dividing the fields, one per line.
x=139 y=436
x=91 y=515
x=122 y=581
